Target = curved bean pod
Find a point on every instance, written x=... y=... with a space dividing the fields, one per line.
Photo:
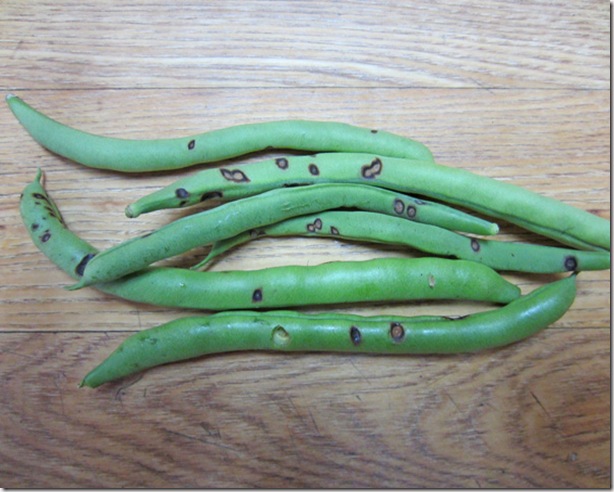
x=537 y=213
x=383 y=229
x=192 y=337
x=232 y=218
x=135 y=156
x=335 y=282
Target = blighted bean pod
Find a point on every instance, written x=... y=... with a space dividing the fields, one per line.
x=192 y=337
x=494 y=198
x=232 y=218
x=135 y=156
x=383 y=229
x=382 y=279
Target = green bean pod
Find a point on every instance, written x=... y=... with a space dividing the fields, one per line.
x=232 y=218
x=494 y=198
x=383 y=229
x=382 y=279
x=192 y=337
x=137 y=156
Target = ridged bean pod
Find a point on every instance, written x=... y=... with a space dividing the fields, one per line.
x=378 y=228
x=135 y=156
x=382 y=279
x=192 y=337
x=494 y=198
x=234 y=217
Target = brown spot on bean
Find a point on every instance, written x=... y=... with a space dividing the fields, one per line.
x=182 y=193
x=571 y=263
x=191 y=144
x=236 y=176
x=183 y=203
x=432 y=281
x=412 y=212
x=371 y=171
x=355 y=335
x=334 y=231
x=316 y=226
x=46 y=236
x=398 y=206
x=282 y=163
x=40 y=196
x=210 y=195
x=397 y=332
x=34 y=226
x=83 y=263
x=313 y=169
x=257 y=295
x=374 y=131
x=475 y=245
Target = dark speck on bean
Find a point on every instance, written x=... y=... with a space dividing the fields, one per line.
x=355 y=335
x=191 y=144
x=257 y=295
x=182 y=193
x=571 y=263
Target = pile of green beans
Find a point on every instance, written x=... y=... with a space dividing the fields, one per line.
x=353 y=188
x=540 y=214
x=379 y=279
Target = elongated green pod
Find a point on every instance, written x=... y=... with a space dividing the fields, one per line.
x=234 y=217
x=192 y=337
x=136 y=156
x=381 y=279
x=383 y=229
x=490 y=197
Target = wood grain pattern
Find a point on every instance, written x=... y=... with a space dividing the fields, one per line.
x=516 y=91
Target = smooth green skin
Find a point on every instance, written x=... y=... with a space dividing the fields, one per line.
x=136 y=156
x=232 y=218
x=493 y=198
x=193 y=337
x=384 y=229
x=382 y=279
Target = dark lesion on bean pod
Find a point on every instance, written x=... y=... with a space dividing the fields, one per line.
x=571 y=263
x=398 y=206
x=191 y=144
x=374 y=131
x=397 y=332
x=80 y=268
x=210 y=195
x=371 y=171
x=313 y=170
x=282 y=163
x=46 y=236
x=355 y=335
x=182 y=193
x=412 y=212
x=257 y=295
x=315 y=226
x=475 y=245
x=235 y=176
x=334 y=231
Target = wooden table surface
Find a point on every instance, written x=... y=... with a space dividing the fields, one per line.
x=518 y=91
